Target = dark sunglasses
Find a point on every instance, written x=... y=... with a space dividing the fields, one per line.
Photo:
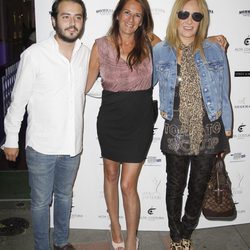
x=196 y=16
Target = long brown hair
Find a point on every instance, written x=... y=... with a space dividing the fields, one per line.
x=140 y=50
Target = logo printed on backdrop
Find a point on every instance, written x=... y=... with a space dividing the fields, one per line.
x=151 y=210
x=246 y=43
x=241 y=135
x=244 y=13
x=76 y=216
x=242 y=104
x=153 y=161
x=240 y=128
x=158 y=11
x=105 y=12
x=242 y=74
x=154 y=194
x=150 y=215
x=105 y=216
x=238 y=157
x=242 y=211
x=238 y=187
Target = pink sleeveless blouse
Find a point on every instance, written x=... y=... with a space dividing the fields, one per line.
x=116 y=75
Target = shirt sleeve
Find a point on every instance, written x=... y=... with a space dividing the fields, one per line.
x=20 y=96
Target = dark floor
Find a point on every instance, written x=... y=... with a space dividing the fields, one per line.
x=235 y=237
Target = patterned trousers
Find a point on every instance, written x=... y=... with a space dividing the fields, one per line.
x=181 y=227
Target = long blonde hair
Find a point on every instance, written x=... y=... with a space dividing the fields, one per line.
x=172 y=33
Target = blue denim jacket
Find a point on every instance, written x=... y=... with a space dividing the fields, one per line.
x=214 y=75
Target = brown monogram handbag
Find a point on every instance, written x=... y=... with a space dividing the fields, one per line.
x=218 y=203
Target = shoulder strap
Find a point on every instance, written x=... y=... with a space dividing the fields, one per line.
x=151 y=54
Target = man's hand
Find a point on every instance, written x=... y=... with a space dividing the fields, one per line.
x=11 y=153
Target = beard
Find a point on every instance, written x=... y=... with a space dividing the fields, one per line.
x=68 y=38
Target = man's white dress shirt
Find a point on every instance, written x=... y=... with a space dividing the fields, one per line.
x=52 y=87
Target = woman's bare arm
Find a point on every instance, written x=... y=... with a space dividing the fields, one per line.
x=154 y=39
x=93 y=68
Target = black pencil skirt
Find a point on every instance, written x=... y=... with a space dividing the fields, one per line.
x=125 y=125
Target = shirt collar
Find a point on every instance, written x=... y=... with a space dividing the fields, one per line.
x=78 y=44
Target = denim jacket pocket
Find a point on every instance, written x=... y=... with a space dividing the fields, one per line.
x=215 y=69
x=215 y=66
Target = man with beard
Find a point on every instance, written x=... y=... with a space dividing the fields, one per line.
x=50 y=83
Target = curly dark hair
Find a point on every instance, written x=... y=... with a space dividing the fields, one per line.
x=54 y=8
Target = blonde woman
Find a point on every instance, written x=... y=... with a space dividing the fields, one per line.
x=194 y=101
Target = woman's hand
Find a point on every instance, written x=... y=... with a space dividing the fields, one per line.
x=221 y=40
x=223 y=154
x=228 y=133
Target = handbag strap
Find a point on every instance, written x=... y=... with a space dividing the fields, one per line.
x=151 y=54
x=222 y=178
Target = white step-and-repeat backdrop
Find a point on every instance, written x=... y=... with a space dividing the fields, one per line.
x=231 y=18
